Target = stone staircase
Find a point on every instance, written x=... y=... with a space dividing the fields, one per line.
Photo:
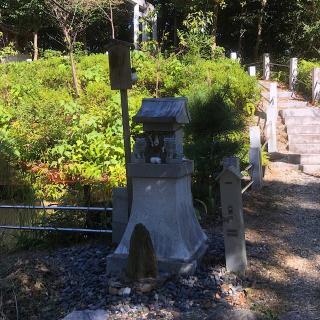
x=302 y=123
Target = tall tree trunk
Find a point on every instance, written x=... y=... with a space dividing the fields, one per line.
x=111 y=21
x=35 y=46
x=215 y=24
x=73 y=64
x=241 y=31
x=175 y=29
x=74 y=72
x=259 y=30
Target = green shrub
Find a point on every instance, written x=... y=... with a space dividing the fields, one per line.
x=51 y=137
x=304 y=84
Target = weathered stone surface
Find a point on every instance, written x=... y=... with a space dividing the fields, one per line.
x=165 y=207
x=142 y=261
x=303 y=129
x=225 y=314
x=87 y=315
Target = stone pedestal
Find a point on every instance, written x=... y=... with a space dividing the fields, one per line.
x=162 y=202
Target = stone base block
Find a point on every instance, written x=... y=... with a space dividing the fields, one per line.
x=117 y=263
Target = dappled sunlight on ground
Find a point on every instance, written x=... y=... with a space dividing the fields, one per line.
x=282 y=232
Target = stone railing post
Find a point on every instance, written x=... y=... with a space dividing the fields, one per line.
x=120 y=215
x=293 y=73
x=232 y=215
x=252 y=71
x=315 y=85
x=266 y=66
x=255 y=157
x=272 y=116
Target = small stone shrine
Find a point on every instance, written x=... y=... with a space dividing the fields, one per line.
x=162 y=199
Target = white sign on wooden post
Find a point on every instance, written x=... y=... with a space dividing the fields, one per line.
x=293 y=73
x=252 y=71
x=272 y=117
x=255 y=157
x=266 y=66
x=315 y=85
x=233 y=56
x=232 y=215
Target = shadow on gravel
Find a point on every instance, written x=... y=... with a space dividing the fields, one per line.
x=283 y=223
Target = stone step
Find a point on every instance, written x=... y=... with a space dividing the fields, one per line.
x=304 y=159
x=285 y=94
x=310 y=168
x=304 y=129
x=292 y=104
x=310 y=148
x=304 y=138
x=281 y=95
x=300 y=112
x=302 y=121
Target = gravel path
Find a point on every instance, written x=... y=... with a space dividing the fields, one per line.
x=50 y=285
x=283 y=234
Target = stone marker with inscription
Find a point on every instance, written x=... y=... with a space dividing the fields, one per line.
x=232 y=216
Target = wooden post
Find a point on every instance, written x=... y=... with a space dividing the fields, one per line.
x=255 y=157
x=293 y=73
x=315 y=85
x=272 y=116
x=232 y=215
x=266 y=66
x=126 y=140
x=121 y=79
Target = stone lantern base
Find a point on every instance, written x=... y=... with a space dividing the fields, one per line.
x=162 y=202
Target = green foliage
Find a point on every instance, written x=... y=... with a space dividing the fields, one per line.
x=56 y=139
x=196 y=38
x=8 y=50
x=220 y=112
x=304 y=84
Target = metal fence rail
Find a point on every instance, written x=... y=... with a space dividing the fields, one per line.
x=55 y=229
x=69 y=208
x=251 y=182
x=247 y=187
x=279 y=65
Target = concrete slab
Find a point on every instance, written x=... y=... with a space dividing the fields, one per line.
x=302 y=121
x=304 y=158
x=311 y=148
x=300 y=112
x=310 y=168
x=292 y=103
x=304 y=138
x=285 y=94
x=304 y=129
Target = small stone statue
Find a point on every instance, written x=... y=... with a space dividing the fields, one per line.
x=139 y=150
x=155 y=151
x=142 y=261
x=170 y=148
